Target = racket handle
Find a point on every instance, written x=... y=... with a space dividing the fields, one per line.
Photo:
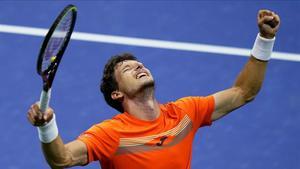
x=44 y=100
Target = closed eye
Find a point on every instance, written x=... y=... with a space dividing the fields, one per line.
x=126 y=68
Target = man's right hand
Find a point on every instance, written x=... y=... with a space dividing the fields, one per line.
x=36 y=117
x=57 y=154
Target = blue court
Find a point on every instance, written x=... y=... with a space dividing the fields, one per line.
x=264 y=134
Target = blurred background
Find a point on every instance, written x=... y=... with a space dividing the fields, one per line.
x=263 y=134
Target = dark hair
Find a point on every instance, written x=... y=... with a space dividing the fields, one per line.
x=109 y=83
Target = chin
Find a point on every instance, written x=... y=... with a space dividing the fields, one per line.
x=147 y=85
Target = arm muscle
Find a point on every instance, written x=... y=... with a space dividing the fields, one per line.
x=247 y=85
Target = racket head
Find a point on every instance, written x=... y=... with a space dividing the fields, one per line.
x=54 y=45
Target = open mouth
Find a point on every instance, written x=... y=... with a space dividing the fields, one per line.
x=140 y=75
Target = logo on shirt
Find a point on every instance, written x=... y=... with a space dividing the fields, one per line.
x=162 y=140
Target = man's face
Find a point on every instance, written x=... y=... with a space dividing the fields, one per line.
x=132 y=77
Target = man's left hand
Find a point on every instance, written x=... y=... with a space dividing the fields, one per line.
x=268 y=23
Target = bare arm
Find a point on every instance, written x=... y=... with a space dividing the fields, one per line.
x=244 y=90
x=250 y=79
x=58 y=154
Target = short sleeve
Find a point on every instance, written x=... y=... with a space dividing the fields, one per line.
x=199 y=109
x=101 y=140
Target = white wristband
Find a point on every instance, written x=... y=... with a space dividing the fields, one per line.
x=262 y=48
x=48 y=132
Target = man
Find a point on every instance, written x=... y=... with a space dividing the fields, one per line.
x=147 y=134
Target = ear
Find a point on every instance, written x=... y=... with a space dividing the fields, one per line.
x=116 y=95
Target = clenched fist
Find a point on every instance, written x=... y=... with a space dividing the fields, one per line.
x=36 y=117
x=268 y=23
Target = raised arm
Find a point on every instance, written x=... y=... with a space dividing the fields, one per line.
x=57 y=154
x=250 y=79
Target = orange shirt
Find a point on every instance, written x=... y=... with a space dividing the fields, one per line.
x=125 y=142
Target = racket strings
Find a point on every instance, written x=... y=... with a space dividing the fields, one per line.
x=57 y=40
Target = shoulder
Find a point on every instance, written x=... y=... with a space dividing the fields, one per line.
x=179 y=103
x=186 y=102
x=114 y=123
x=192 y=104
x=177 y=108
x=191 y=101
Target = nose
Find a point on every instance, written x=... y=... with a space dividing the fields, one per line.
x=139 y=66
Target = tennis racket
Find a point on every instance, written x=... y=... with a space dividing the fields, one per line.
x=52 y=50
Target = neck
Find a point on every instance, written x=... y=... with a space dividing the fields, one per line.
x=143 y=106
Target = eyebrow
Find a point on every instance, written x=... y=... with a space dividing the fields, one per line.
x=118 y=65
x=126 y=66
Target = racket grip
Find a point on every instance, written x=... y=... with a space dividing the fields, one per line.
x=44 y=100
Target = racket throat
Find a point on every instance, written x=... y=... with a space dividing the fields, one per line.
x=46 y=85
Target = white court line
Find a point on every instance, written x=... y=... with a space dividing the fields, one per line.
x=122 y=40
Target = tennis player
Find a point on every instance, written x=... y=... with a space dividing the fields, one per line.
x=147 y=134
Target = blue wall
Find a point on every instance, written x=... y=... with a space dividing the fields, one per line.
x=263 y=134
